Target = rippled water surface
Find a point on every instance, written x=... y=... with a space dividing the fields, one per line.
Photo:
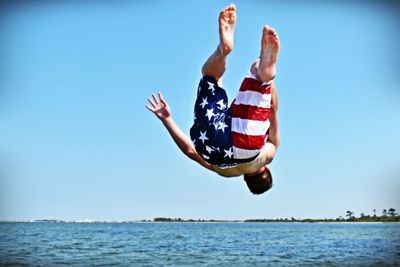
x=222 y=244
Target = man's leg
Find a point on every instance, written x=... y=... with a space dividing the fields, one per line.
x=264 y=68
x=216 y=64
x=251 y=109
x=209 y=132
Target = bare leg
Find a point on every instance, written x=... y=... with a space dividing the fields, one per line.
x=264 y=68
x=216 y=64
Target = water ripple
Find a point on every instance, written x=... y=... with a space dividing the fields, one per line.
x=188 y=244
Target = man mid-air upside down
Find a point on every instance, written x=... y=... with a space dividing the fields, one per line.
x=242 y=139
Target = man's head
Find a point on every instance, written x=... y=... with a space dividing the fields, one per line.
x=260 y=181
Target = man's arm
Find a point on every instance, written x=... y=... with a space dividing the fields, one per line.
x=162 y=111
x=274 y=134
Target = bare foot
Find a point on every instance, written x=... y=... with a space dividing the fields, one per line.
x=227 y=22
x=269 y=54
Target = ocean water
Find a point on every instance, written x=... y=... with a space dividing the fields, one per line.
x=199 y=244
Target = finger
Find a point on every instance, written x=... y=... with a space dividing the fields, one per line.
x=150 y=108
x=155 y=98
x=151 y=102
x=162 y=98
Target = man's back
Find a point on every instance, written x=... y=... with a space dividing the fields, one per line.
x=266 y=155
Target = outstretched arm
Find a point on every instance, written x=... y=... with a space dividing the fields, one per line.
x=162 y=111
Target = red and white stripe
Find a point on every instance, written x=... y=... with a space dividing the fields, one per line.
x=250 y=112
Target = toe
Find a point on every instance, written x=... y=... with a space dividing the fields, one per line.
x=270 y=31
x=232 y=16
x=222 y=17
x=231 y=7
x=266 y=29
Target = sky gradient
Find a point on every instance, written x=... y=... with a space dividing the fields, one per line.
x=76 y=141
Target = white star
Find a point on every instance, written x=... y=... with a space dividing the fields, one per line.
x=209 y=149
x=216 y=148
x=222 y=126
x=198 y=89
x=228 y=153
x=210 y=113
x=204 y=102
x=193 y=141
x=205 y=156
x=211 y=87
x=216 y=125
x=203 y=136
x=221 y=104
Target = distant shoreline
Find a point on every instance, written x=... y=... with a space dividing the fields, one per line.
x=219 y=222
x=168 y=220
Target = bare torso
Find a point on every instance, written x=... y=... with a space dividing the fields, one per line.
x=262 y=159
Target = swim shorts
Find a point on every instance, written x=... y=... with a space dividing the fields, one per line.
x=226 y=136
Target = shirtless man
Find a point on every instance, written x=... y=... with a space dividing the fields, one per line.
x=237 y=140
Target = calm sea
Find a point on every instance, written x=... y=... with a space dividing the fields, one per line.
x=189 y=244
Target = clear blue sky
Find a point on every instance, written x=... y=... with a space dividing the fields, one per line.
x=76 y=141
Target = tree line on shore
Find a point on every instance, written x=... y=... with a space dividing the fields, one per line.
x=389 y=215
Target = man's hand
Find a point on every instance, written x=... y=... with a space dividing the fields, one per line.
x=162 y=111
x=159 y=107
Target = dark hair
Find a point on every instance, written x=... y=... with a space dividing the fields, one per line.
x=260 y=182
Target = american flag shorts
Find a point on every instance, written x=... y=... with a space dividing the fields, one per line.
x=227 y=136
